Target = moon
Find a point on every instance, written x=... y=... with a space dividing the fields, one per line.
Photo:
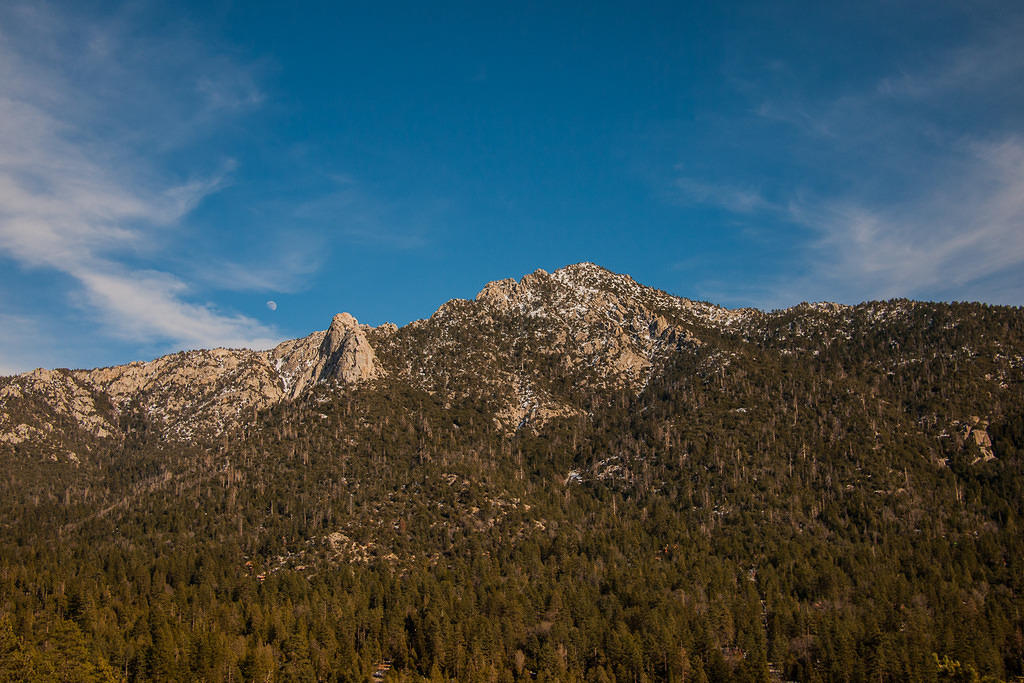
x=272 y=305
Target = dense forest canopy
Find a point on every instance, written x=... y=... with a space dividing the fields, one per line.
x=793 y=499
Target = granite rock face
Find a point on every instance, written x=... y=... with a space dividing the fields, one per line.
x=342 y=352
x=346 y=353
x=977 y=432
x=186 y=395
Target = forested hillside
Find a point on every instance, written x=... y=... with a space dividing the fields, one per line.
x=557 y=481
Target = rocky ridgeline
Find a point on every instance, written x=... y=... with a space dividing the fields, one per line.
x=341 y=352
x=519 y=344
x=529 y=349
x=526 y=351
x=187 y=395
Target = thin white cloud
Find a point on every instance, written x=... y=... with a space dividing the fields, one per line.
x=925 y=196
x=958 y=237
x=357 y=217
x=230 y=89
x=735 y=199
x=289 y=271
x=989 y=64
x=943 y=240
x=78 y=194
x=141 y=305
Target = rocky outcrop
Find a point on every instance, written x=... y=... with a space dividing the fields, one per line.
x=295 y=362
x=346 y=353
x=977 y=434
x=500 y=293
x=191 y=392
x=342 y=353
x=187 y=395
x=50 y=394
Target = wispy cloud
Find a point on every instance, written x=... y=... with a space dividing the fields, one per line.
x=730 y=198
x=990 y=65
x=944 y=240
x=289 y=270
x=146 y=305
x=78 y=193
x=926 y=182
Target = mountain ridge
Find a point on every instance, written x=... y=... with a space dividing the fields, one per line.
x=257 y=379
x=579 y=329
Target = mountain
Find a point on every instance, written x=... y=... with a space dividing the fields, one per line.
x=525 y=351
x=510 y=348
x=570 y=477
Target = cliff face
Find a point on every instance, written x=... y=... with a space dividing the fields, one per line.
x=523 y=351
x=341 y=352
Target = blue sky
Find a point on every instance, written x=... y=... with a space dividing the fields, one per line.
x=167 y=169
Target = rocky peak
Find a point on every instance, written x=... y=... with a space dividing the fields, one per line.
x=346 y=353
x=520 y=343
x=188 y=394
x=579 y=326
x=341 y=352
x=342 y=322
x=977 y=432
x=506 y=293
x=499 y=293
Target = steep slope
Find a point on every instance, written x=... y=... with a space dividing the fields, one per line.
x=546 y=345
x=189 y=395
x=530 y=350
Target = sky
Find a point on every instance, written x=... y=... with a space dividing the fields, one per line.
x=185 y=175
